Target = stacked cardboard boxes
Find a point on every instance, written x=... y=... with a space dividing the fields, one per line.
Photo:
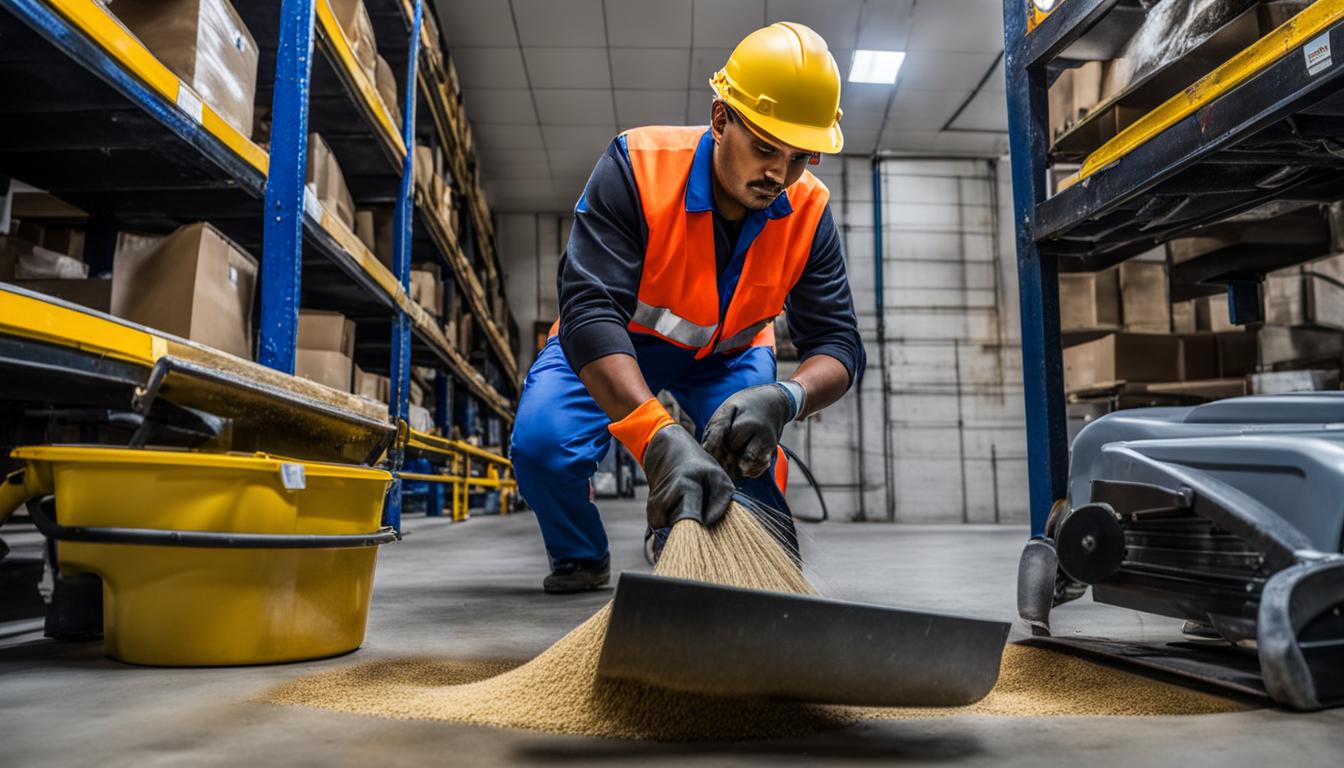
x=326 y=349
x=328 y=183
x=1132 y=296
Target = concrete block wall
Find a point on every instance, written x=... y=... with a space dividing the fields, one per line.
x=949 y=445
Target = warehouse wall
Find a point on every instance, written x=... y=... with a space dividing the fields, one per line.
x=953 y=448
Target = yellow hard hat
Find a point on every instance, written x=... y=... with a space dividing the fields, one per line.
x=784 y=80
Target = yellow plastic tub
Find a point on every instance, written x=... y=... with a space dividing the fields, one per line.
x=286 y=574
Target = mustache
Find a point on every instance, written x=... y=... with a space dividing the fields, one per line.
x=765 y=185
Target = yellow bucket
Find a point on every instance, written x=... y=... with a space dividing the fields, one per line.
x=212 y=559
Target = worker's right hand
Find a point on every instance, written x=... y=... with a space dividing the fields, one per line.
x=684 y=480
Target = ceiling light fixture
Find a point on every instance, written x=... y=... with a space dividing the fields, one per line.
x=876 y=66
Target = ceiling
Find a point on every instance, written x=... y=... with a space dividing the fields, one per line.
x=548 y=83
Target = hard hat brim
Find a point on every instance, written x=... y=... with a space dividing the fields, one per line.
x=828 y=140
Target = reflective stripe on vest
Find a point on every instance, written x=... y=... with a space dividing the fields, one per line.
x=668 y=324
x=678 y=290
x=743 y=338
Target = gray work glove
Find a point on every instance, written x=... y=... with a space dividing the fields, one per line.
x=744 y=432
x=684 y=481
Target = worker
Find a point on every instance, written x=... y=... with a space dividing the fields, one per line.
x=687 y=242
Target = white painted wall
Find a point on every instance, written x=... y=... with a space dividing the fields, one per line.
x=951 y=447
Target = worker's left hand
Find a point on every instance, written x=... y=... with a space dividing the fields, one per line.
x=743 y=433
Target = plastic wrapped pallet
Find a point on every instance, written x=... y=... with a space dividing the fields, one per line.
x=1172 y=28
x=327 y=181
x=22 y=260
x=206 y=44
x=194 y=283
x=358 y=28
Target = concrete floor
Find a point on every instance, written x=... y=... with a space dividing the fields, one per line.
x=471 y=590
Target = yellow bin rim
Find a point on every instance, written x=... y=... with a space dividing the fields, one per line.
x=258 y=462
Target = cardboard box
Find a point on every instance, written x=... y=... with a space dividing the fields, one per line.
x=372 y=385
x=1086 y=88
x=1137 y=357
x=94 y=293
x=194 y=283
x=465 y=333
x=133 y=242
x=1116 y=76
x=364 y=228
x=1211 y=314
x=384 y=226
x=325 y=366
x=1298 y=347
x=417 y=393
x=386 y=81
x=1183 y=317
x=327 y=181
x=1238 y=353
x=326 y=331
x=1061 y=102
x=204 y=43
x=1089 y=300
x=64 y=240
x=425 y=166
x=1278 y=382
x=1217 y=355
x=1199 y=356
x=1144 y=296
x=354 y=20
x=1304 y=300
x=426 y=290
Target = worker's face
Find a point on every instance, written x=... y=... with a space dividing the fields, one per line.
x=750 y=166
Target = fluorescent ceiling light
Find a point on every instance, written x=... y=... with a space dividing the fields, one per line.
x=876 y=66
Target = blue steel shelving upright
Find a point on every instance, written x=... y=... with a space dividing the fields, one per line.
x=282 y=253
x=1025 y=58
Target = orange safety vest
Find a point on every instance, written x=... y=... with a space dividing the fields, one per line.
x=678 y=289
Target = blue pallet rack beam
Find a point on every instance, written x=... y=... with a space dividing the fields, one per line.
x=1037 y=273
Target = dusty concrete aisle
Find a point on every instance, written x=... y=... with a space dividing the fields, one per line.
x=472 y=591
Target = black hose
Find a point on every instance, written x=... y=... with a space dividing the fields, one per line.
x=212 y=539
x=807 y=473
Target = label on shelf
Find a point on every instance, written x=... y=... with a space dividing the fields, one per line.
x=1317 y=54
x=189 y=102
x=311 y=205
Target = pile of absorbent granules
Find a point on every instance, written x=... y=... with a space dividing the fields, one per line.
x=559 y=690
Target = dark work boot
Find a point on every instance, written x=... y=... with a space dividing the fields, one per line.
x=570 y=576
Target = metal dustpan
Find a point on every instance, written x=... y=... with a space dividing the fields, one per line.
x=705 y=638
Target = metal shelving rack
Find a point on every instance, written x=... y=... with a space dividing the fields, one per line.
x=1259 y=128
x=99 y=122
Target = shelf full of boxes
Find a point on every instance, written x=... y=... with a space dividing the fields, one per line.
x=173 y=192
x=1177 y=203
